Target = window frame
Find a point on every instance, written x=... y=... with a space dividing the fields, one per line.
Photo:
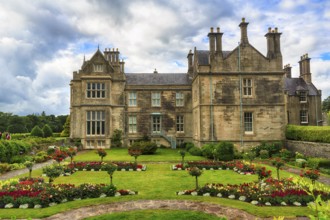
x=303 y=116
x=132 y=99
x=155 y=99
x=95 y=90
x=180 y=124
x=157 y=124
x=247 y=87
x=95 y=123
x=303 y=97
x=179 y=99
x=132 y=124
x=248 y=122
x=98 y=67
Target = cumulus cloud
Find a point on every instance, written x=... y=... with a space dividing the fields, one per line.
x=43 y=42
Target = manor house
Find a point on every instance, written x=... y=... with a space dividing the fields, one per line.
x=240 y=96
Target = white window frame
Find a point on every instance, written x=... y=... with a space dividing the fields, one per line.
x=132 y=124
x=132 y=99
x=302 y=96
x=248 y=122
x=95 y=90
x=156 y=124
x=155 y=99
x=303 y=115
x=180 y=123
x=101 y=143
x=247 y=87
x=95 y=123
x=179 y=99
x=98 y=68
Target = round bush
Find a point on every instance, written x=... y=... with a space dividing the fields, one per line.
x=189 y=145
x=207 y=151
x=195 y=151
x=225 y=151
x=47 y=131
x=37 y=132
x=264 y=154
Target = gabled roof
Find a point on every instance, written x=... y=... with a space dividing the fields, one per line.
x=157 y=79
x=203 y=56
x=292 y=85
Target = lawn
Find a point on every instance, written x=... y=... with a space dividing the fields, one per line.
x=158 y=182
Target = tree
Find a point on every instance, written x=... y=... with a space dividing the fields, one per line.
x=278 y=163
x=16 y=124
x=196 y=172
x=47 y=131
x=52 y=172
x=326 y=104
x=37 y=132
x=4 y=120
x=183 y=154
x=110 y=168
x=29 y=166
x=66 y=128
x=101 y=153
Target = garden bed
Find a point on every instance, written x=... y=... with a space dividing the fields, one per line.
x=35 y=193
x=269 y=192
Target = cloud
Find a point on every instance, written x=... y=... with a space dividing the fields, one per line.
x=43 y=42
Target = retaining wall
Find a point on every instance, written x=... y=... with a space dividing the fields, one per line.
x=313 y=149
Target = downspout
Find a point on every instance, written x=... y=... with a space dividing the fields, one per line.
x=317 y=118
x=240 y=97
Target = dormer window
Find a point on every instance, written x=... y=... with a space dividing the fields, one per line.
x=98 y=67
x=303 y=96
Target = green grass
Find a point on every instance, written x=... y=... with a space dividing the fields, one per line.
x=157 y=214
x=121 y=154
x=158 y=182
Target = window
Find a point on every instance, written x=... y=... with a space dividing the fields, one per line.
x=95 y=123
x=95 y=90
x=179 y=100
x=156 y=124
x=179 y=143
x=98 y=67
x=179 y=123
x=248 y=122
x=132 y=99
x=132 y=124
x=247 y=87
x=155 y=99
x=303 y=96
x=89 y=144
x=101 y=144
x=303 y=116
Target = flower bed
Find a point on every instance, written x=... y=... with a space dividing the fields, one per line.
x=37 y=194
x=267 y=192
x=97 y=166
x=238 y=166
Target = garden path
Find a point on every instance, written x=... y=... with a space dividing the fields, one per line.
x=323 y=179
x=214 y=209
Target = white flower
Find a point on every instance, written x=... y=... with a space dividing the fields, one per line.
x=117 y=194
x=211 y=168
x=227 y=168
x=180 y=193
x=92 y=169
x=297 y=203
x=37 y=206
x=231 y=197
x=219 y=195
x=204 y=168
x=75 y=199
x=103 y=195
x=219 y=168
x=242 y=198
x=206 y=194
x=194 y=193
x=283 y=203
x=123 y=169
x=130 y=192
x=254 y=202
x=64 y=201
x=24 y=206
x=179 y=169
x=268 y=203
x=138 y=169
x=130 y=169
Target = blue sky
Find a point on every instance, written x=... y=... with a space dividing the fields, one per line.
x=42 y=42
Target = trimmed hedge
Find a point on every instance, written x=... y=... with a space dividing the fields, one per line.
x=10 y=149
x=308 y=133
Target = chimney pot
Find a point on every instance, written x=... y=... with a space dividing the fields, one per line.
x=269 y=29
x=211 y=30
x=243 y=19
x=218 y=30
x=276 y=30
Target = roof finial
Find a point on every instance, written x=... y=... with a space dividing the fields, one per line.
x=98 y=46
x=155 y=71
x=84 y=58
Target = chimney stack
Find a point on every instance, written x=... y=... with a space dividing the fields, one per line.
x=211 y=36
x=244 y=38
x=273 y=43
x=218 y=39
x=305 y=70
x=287 y=70
x=190 y=62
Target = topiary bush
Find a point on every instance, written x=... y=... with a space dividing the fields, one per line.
x=308 y=133
x=208 y=151
x=225 y=151
x=48 y=132
x=146 y=147
x=195 y=151
x=37 y=132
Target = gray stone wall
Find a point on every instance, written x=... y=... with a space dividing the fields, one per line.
x=313 y=149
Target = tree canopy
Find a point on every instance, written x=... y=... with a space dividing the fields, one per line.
x=326 y=104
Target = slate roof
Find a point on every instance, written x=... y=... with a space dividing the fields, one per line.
x=157 y=79
x=203 y=56
x=298 y=84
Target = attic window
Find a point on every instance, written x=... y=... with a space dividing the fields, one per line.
x=303 y=96
x=98 y=67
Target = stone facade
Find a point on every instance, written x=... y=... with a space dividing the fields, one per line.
x=236 y=96
x=311 y=149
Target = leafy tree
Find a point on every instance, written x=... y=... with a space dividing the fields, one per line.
x=66 y=128
x=52 y=172
x=37 y=132
x=102 y=153
x=278 y=163
x=4 y=120
x=183 y=154
x=16 y=125
x=196 y=172
x=110 y=168
x=326 y=104
x=29 y=166
x=47 y=131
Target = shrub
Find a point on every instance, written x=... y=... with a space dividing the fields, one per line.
x=47 y=131
x=264 y=154
x=272 y=148
x=146 y=147
x=52 y=172
x=189 y=145
x=37 y=132
x=208 y=151
x=195 y=151
x=225 y=151
x=308 y=133
x=116 y=138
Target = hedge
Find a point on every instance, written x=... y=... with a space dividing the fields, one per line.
x=308 y=133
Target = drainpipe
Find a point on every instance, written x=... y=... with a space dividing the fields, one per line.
x=240 y=95
x=316 y=112
x=211 y=109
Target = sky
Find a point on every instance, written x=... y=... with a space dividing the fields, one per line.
x=43 y=41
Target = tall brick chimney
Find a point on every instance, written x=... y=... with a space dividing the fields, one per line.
x=211 y=36
x=218 y=39
x=273 y=43
x=244 y=38
x=287 y=70
x=305 y=70
x=190 y=62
